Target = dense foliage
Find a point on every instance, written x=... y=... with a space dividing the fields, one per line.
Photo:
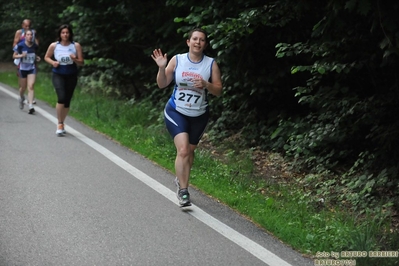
x=315 y=80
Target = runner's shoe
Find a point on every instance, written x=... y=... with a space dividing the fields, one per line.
x=60 y=130
x=21 y=102
x=184 y=197
x=31 y=110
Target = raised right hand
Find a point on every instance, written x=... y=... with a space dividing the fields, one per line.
x=160 y=59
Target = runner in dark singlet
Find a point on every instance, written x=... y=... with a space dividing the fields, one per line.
x=20 y=36
x=26 y=51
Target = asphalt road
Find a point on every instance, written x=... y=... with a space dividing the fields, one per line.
x=83 y=199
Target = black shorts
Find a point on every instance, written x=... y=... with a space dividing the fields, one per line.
x=178 y=123
x=24 y=73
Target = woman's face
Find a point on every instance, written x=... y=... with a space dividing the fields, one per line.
x=64 y=34
x=197 y=42
x=28 y=36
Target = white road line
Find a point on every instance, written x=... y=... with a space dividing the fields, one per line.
x=252 y=247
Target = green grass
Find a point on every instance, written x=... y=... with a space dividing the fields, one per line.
x=9 y=78
x=281 y=209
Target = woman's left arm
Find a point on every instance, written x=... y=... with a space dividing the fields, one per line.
x=215 y=87
x=78 y=58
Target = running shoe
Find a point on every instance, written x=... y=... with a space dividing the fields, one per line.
x=184 y=201
x=21 y=102
x=60 y=130
x=184 y=197
x=31 y=110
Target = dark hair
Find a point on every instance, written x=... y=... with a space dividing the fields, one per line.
x=190 y=33
x=65 y=26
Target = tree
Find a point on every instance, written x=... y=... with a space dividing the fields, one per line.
x=44 y=19
x=118 y=37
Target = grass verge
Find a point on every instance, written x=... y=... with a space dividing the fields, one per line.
x=280 y=208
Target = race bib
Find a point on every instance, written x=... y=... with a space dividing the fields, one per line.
x=64 y=59
x=188 y=97
x=29 y=58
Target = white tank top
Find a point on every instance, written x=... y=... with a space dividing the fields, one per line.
x=62 y=53
x=186 y=99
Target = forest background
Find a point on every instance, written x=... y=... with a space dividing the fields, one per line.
x=315 y=81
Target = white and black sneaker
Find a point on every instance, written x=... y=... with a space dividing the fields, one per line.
x=184 y=197
x=31 y=109
x=182 y=194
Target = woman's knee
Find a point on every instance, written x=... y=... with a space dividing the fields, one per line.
x=23 y=87
x=184 y=151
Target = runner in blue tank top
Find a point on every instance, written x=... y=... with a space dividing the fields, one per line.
x=25 y=51
x=186 y=113
x=68 y=56
x=20 y=36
